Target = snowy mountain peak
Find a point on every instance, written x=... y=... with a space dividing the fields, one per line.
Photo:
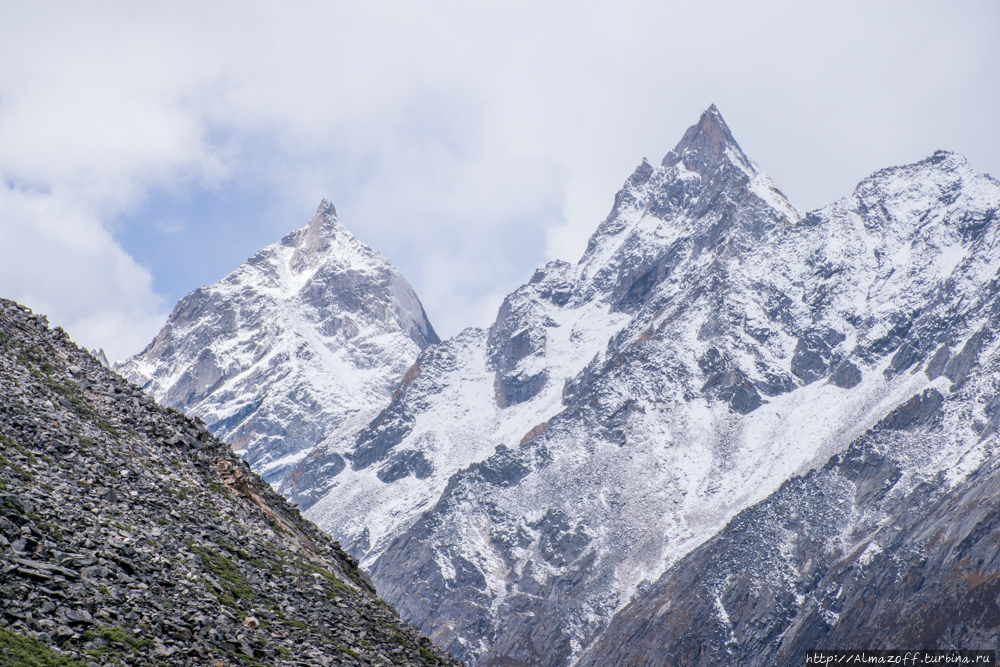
x=324 y=231
x=327 y=208
x=706 y=198
x=705 y=146
x=524 y=481
x=311 y=331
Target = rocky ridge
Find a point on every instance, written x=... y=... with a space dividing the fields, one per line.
x=129 y=534
x=527 y=481
x=311 y=332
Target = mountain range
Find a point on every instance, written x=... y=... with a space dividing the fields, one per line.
x=731 y=432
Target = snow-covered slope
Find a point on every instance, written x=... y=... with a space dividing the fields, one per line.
x=527 y=480
x=309 y=333
x=882 y=531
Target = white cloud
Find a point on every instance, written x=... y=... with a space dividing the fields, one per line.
x=467 y=141
x=60 y=261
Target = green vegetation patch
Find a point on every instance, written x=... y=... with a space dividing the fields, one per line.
x=26 y=453
x=330 y=578
x=240 y=553
x=428 y=656
x=117 y=636
x=82 y=407
x=18 y=470
x=353 y=654
x=178 y=492
x=106 y=426
x=54 y=531
x=218 y=488
x=73 y=394
x=19 y=651
x=236 y=656
x=225 y=571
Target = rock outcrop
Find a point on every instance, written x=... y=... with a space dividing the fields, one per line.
x=130 y=535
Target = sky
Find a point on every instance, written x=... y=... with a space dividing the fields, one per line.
x=147 y=149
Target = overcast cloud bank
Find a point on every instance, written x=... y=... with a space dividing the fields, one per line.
x=147 y=150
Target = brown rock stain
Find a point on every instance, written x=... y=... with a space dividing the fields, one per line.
x=534 y=433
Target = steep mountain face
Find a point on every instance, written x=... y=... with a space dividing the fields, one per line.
x=712 y=342
x=130 y=536
x=893 y=543
x=307 y=334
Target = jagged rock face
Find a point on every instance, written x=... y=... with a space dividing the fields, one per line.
x=894 y=543
x=526 y=480
x=129 y=535
x=308 y=333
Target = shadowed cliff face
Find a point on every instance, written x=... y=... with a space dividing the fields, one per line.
x=306 y=334
x=129 y=535
x=712 y=343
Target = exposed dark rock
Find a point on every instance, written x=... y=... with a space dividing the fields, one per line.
x=730 y=385
x=387 y=431
x=711 y=363
x=959 y=366
x=518 y=334
x=560 y=542
x=922 y=410
x=512 y=389
x=935 y=367
x=811 y=359
x=905 y=356
x=404 y=464
x=637 y=283
x=505 y=468
x=309 y=480
x=846 y=375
